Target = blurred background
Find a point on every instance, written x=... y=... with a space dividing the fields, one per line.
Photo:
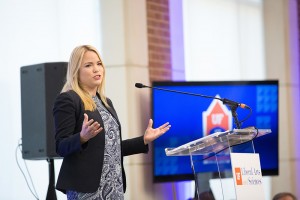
x=145 y=41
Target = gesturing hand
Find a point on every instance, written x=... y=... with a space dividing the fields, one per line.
x=89 y=129
x=151 y=134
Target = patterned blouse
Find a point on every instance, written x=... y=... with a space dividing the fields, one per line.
x=111 y=183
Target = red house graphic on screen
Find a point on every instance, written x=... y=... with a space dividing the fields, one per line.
x=217 y=118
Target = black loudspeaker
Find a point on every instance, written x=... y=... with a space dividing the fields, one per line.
x=40 y=85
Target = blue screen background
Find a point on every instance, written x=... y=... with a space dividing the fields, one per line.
x=184 y=113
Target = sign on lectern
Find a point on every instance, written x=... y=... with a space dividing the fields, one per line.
x=246 y=169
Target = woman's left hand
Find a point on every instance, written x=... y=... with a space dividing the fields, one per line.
x=151 y=133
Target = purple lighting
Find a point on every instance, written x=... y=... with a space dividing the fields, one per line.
x=177 y=43
x=295 y=89
x=182 y=190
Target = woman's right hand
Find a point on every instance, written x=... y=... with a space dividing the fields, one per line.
x=89 y=129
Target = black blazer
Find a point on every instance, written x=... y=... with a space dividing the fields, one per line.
x=82 y=164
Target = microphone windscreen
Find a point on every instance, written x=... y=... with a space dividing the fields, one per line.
x=139 y=85
x=244 y=106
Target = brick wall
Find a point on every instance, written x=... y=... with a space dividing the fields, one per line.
x=159 y=47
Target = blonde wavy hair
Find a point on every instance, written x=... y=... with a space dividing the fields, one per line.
x=72 y=78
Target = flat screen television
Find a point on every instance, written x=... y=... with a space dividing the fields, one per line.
x=188 y=116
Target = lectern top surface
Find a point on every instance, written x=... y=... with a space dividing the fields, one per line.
x=216 y=142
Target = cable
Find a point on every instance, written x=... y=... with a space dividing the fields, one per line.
x=247 y=117
x=16 y=156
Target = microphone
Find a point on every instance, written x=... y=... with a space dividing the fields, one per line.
x=233 y=103
x=224 y=100
x=140 y=85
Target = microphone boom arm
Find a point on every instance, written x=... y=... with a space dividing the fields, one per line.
x=232 y=104
x=187 y=93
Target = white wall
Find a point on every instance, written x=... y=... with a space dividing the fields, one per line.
x=223 y=39
x=34 y=31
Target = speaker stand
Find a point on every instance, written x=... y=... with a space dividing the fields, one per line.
x=51 y=194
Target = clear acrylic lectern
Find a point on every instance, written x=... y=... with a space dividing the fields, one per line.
x=214 y=151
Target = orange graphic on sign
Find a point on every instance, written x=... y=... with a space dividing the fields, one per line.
x=238 y=176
